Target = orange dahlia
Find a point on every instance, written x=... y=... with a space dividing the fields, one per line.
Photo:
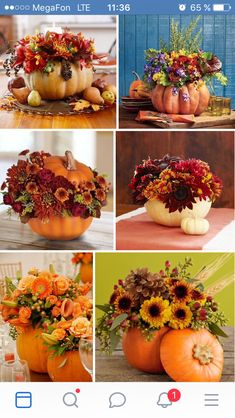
x=42 y=287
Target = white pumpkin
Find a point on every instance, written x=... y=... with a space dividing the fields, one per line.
x=159 y=214
x=195 y=226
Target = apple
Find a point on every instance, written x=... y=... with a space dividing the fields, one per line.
x=16 y=83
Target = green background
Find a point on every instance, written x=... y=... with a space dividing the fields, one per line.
x=113 y=266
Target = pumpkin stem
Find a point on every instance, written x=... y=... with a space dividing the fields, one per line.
x=70 y=161
x=203 y=354
x=136 y=75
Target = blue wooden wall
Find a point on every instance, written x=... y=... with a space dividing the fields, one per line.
x=138 y=33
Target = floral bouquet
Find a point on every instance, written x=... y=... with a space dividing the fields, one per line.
x=174 y=185
x=164 y=315
x=47 y=312
x=83 y=261
x=177 y=72
x=45 y=187
x=39 y=52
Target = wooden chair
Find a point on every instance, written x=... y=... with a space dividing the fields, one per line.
x=10 y=270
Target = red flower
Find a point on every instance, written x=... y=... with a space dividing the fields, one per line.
x=79 y=210
x=45 y=176
x=17 y=206
x=7 y=199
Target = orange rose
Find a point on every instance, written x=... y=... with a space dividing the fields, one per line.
x=52 y=299
x=64 y=324
x=85 y=303
x=85 y=288
x=25 y=284
x=81 y=327
x=8 y=312
x=46 y=275
x=61 y=285
x=24 y=314
x=55 y=311
x=58 y=334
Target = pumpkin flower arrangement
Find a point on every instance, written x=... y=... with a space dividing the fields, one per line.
x=177 y=73
x=47 y=311
x=83 y=261
x=54 y=190
x=172 y=188
x=149 y=311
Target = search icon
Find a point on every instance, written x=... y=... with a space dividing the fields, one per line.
x=70 y=399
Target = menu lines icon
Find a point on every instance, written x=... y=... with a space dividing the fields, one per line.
x=211 y=399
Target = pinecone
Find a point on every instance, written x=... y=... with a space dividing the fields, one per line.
x=142 y=285
x=66 y=71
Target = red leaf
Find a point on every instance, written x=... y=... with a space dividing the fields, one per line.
x=25 y=152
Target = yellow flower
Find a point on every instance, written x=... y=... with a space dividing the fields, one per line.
x=156 y=312
x=25 y=284
x=81 y=327
x=181 y=291
x=181 y=316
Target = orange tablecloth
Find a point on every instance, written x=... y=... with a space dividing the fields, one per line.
x=141 y=233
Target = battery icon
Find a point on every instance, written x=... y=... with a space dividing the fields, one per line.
x=226 y=7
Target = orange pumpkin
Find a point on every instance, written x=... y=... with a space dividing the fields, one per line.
x=192 y=356
x=53 y=86
x=67 y=368
x=142 y=354
x=189 y=99
x=30 y=347
x=138 y=88
x=86 y=272
x=67 y=228
x=58 y=228
x=69 y=168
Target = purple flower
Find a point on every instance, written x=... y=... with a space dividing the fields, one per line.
x=156 y=69
x=175 y=91
x=161 y=58
x=185 y=97
x=180 y=72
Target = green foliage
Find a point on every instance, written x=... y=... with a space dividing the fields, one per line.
x=118 y=320
x=185 y=38
x=216 y=330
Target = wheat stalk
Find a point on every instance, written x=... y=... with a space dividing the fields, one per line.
x=207 y=271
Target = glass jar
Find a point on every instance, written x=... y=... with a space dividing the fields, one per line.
x=227 y=106
x=217 y=104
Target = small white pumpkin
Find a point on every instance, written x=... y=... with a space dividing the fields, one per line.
x=195 y=226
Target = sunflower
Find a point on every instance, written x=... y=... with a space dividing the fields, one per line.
x=123 y=303
x=181 y=291
x=181 y=316
x=156 y=312
x=42 y=287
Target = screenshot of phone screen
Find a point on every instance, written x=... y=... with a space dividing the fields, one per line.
x=117 y=229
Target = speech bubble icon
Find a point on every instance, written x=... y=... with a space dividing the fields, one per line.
x=116 y=400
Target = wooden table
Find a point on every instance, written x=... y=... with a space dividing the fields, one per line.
x=105 y=119
x=127 y=121
x=116 y=369
x=16 y=236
